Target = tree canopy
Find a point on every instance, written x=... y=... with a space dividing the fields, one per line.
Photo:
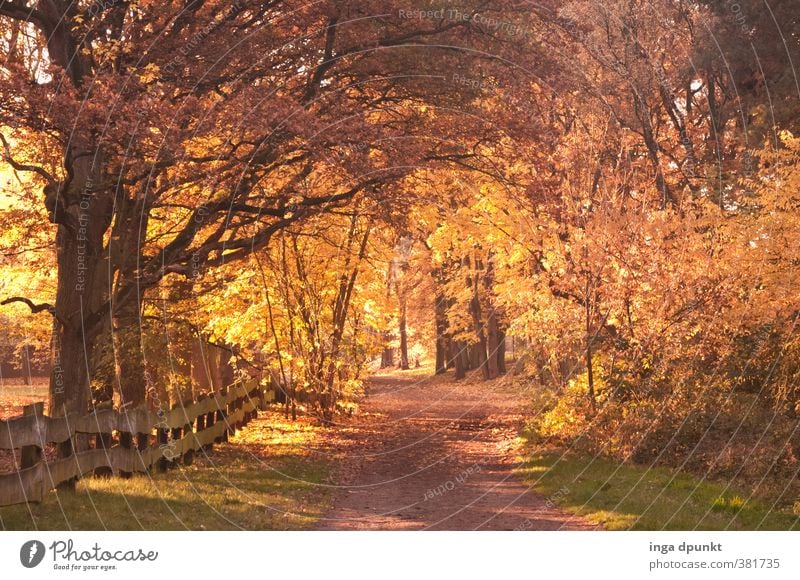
x=304 y=187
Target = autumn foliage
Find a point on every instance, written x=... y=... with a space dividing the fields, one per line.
x=295 y=190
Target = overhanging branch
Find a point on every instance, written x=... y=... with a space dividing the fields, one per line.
x=7 y=157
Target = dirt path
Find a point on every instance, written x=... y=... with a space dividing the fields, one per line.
x=430 y=454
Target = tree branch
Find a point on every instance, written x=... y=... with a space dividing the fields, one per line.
x=35 y=308
x=21 y=166
x=18 y=11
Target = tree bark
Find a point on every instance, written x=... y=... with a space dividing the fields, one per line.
x=494 y=336
x=442 y=340
x=204 y=361
x=501 y=351
x=83 y=216
x=403 y=335
x=478 y=350
x=492 y=345
x=459 y=356
x=387 y=358
x=130 y=354
x=129 y=231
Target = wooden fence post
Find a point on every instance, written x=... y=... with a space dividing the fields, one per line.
x=188 y=457
x=126 y=443
x=220 y=416
x=227 y=406
x=210 y=418
x=245 y=414
x=103 y=441
x=248 y=399
x=238 y=405
x=30 y=455
x=252 y=396
x=201 y=419
x=175 y=436
x=162 y=435
x=229 y=412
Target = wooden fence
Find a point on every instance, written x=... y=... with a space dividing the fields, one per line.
x=120 y=443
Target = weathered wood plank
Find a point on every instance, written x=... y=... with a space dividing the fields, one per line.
x=32 y=454
x=39 y=429
x=22 y=486
x=29 y=485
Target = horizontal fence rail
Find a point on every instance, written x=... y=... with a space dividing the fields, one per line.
x=146 y=440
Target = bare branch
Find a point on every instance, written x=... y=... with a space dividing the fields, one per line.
x=35 y=308
x=21 y=166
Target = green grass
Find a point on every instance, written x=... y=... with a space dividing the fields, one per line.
x=267 y=484
x=624 y=496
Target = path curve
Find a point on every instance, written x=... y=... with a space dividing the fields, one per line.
x=428 y=453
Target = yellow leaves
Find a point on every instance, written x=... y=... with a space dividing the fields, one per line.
x=149 y=74
x=694 y=331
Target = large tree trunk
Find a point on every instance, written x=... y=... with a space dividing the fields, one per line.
x=128 y=234
x=83 y=216
x=479 y=349
x=130 y=354
x=459 y=357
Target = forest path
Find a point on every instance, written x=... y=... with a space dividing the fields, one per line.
x=430 y=453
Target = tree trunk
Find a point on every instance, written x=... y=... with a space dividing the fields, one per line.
x=494 y=335
x=130 y=354
x=492 y=345
x=201 y=365
x=403 y=336
x=83 y=216
x=180 y=345
x=27 y=371
x=81 y=290
x=478 y=350
x=458 y=356
x=128 y=231
x=387 y=358
x=501 y=352
x=225 y=370
x=442 y=340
